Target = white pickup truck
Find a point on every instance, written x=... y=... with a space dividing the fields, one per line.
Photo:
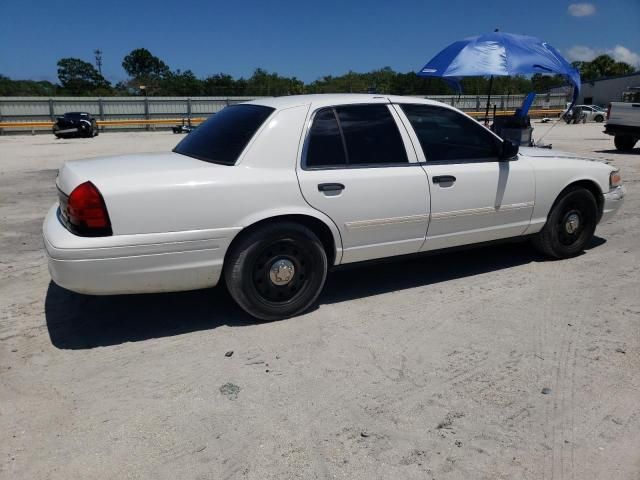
x=623 y=121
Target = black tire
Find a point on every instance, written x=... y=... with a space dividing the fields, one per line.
x=624 y=143
x=85 y=129
x=255 y=286
x=562 y=236
x=599 y=118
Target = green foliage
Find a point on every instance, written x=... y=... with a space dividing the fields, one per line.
x=26 y=88
x=602 y=66
x=146 y=70
x=182 y=84
x=263 y=83
x=78 y=77
x=544 y=83
x=384 y=80
x=221 y=84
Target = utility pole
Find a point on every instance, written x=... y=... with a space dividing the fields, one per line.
x=98 y=53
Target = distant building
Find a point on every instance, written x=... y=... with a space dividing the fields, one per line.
x=603 y=90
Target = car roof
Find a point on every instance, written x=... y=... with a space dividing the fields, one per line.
x=325 y=99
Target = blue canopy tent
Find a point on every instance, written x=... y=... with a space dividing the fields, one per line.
x=499 y=54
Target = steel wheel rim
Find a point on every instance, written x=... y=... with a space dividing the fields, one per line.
x=571 y=225
x=283 y=253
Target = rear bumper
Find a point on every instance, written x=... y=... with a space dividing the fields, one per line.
x=124 y=264
x=613 y=200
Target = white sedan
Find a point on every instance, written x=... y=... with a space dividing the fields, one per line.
x=592 y=113
x=269 y=194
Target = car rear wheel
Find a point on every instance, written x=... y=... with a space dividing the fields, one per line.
x=599 y=118
x=276 y=271
x=570 y=226
x=624 y=143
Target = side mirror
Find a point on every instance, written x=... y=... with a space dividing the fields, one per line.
x=509 y=150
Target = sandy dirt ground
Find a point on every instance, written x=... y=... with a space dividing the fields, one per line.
x=423 y=369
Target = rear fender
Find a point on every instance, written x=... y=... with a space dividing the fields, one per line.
x=281 y=212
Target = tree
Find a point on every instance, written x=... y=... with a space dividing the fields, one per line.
x=265 y=83
x=26 y=88
x=543 y=83
x=78 y=77
x=221 y=84
x=146 y=69
x=182 y=84
x=602 y=66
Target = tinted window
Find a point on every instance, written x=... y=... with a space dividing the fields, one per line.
x=446 y=135
x=371 y=135
x=222 y=138
x=75 y=115
x=325 y=143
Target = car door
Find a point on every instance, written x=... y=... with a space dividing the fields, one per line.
x=475 y=197
x=360 y=169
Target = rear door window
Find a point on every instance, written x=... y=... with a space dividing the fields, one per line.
x=223 y=137
x=355 y=135
x=371 y=135
x=326 y=148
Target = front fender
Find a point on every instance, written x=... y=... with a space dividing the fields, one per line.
x=553 y=178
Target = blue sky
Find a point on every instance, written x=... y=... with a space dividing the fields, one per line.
x=305 y=39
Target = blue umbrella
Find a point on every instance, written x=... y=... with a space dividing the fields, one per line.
x=499 y=54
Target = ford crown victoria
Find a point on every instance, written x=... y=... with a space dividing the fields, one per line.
x=268 y=195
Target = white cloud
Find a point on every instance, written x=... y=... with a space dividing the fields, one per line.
x=581 y=9
x=623 y=54
x=619 y=53
x=581 y=53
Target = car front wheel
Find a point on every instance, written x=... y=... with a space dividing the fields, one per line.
x=276 y=271
x=570 y=225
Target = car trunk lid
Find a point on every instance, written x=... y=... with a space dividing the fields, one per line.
x=124 y=169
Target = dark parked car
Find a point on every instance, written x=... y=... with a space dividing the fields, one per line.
x=75 y=124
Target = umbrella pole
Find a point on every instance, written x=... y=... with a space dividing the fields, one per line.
x=486 y=112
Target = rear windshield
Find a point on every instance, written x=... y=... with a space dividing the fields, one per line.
x=222 y=138
x=75 y=115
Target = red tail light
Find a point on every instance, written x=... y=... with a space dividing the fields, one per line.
x=85 y=213
x=608 y=111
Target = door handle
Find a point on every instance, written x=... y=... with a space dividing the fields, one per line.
x=444 y=179
x=330 y=187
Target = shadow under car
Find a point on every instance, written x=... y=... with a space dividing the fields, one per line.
x=77 y=321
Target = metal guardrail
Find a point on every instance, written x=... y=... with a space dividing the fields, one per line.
x=104 y=123
x=36 y=113
x=32 y=126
